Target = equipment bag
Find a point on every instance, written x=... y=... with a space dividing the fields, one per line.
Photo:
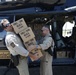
x=49 y=51
x=15 y=59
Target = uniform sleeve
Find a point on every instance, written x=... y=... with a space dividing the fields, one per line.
x=18 y=48
x=46 y=43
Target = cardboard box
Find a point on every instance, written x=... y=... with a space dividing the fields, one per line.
x=30 y=42
x=61 y=54
x=27 y=34
x=37 y=54
x=19 y=25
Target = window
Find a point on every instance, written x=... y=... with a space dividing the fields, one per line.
x=65 y=48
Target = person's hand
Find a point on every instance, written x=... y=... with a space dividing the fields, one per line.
x=31 y=47
x=32 y=56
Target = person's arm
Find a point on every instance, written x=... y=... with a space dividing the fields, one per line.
x=18 y=48
x=46 y=43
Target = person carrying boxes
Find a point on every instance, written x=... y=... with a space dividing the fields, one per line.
x=47 y=47
x=16 y=48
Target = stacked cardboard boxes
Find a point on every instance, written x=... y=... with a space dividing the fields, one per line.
x=27 y=35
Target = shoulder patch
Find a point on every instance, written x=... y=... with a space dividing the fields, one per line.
x=12 y=44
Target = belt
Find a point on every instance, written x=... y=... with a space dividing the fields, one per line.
x=22 y=57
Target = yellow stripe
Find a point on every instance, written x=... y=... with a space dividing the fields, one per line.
x=4 y=54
